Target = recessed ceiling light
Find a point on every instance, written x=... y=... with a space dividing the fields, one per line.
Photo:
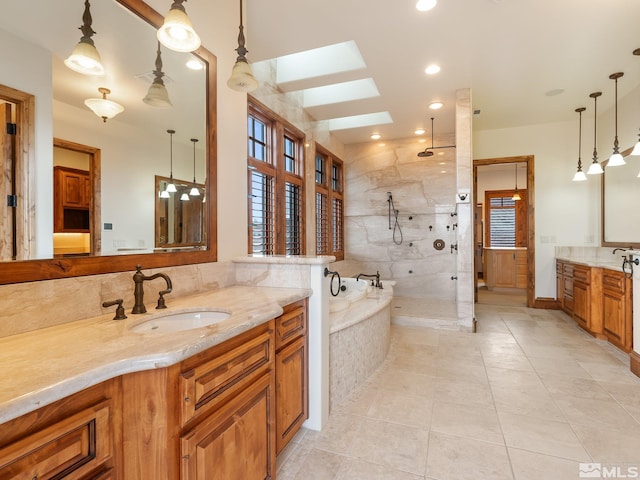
x=554 y=92
x=375 y=136
x=443 y=163
x=440 y=153
x=424 y=5
x=435 y=105
x=419 y=131
x=194 y=64
x=382 y=144
x=432 y=69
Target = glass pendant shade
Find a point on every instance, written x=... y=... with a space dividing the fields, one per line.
x=158 y=96
x=579 y=176
x=177 y=32
x=102 y=107
x=636 y=149
x=616 y=160
x=242 y=79
x=164 y=194
x=195 y=192
x=595 y=168
x=85 y=59
x=171 y=187
x=184 y=197
x=516 y=197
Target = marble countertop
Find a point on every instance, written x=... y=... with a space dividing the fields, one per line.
x=594 y=262
x=46 y=365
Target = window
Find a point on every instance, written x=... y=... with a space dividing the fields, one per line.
x=329 y=204
x=275 y=166
x=506 y=219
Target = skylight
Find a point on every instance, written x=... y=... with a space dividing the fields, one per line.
x=355 y=121
x=340 y=92
x=318 y=62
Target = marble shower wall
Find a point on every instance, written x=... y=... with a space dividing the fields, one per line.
x=423 y=191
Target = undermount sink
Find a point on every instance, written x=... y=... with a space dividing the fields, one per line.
x=180 y=321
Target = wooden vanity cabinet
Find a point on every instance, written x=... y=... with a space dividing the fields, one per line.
x=292 y=378
x=72 y=200
x=567 y=288
x=617 y=309
x=74 y=438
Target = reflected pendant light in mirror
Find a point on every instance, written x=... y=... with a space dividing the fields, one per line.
x=516 y=194
x=636 y=148
x=580 y=175
x=615 y=160
x=171 y=187
x=177 y=32
x=184 y=197
x=85 y=58
x=595 y=168
x=158 y=96
x=242 y=79
x=195 y=192
x=102 y=107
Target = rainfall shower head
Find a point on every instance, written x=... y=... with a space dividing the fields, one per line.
x=427 y=152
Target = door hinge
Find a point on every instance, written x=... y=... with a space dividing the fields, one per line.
x=12 y=200
x=12 y=128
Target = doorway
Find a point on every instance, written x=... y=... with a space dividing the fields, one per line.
x=526 y=249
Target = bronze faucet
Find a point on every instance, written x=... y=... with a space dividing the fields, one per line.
x=138 y=291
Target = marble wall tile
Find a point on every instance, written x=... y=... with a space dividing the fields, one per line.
x=272 y=275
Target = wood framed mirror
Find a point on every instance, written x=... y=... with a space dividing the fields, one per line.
x=51 y=268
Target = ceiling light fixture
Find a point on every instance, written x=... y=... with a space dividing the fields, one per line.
x=158 y=96
x=171 y=187
x=184 y=197
x=432 y=69
x=102 y=107
x=595 y=168
x=375 y=136
x=177 y=32
x=615 y=160
x=195 y=192
x=436 y=105
x=419 y=131
x=85 y=58
x=516 y=194
x=636 y=148
x=427 y=152
x=425 y=5
x=580 y=175
x=194 y=64
x=242 y=79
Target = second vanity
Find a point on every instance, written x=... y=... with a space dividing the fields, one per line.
x=94 y=399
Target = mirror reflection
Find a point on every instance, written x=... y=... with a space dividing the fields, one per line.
x=115 y=200
x=620 y=192
x=180 y=215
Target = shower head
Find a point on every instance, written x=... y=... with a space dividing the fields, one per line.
x=425 y=153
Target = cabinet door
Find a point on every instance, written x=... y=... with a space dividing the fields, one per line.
x=237 y=441
x=68 y=449
x=505 y=269
x=581 y=304
x=73 y=189
x=291 y=391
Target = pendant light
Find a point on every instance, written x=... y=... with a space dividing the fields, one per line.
x=595 y=168
x=102 y=107
x=516 y=194
x=636 y=148
x=177 y=32
x=184 y=197
x=85 y=58
x=615 y=160
x=195 y=192
x=242 y=79
x=580 y=176
x=171 y=187
x=157 y=96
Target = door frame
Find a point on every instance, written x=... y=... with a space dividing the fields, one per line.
x=531 y=266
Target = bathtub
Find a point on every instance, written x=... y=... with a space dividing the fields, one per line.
x=359 y=335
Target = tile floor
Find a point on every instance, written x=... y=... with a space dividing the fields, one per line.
x=530 y=396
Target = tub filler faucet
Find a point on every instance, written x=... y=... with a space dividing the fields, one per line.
x=377 y=284
x=138 y=291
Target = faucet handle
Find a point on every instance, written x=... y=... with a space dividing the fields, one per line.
x=161 y=303
x=119 y=310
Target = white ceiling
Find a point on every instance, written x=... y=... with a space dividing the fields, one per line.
x=509 y=52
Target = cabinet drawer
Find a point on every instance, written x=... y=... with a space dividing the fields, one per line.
x=567 y=269
x=613 y=281
x=568 y=286
x=69 y=449
x=581 y=274
x=559 y=267
x=214 y=381
x=290 y=325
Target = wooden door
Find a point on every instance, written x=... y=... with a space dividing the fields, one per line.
x=291 y=391
x=7 y=185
